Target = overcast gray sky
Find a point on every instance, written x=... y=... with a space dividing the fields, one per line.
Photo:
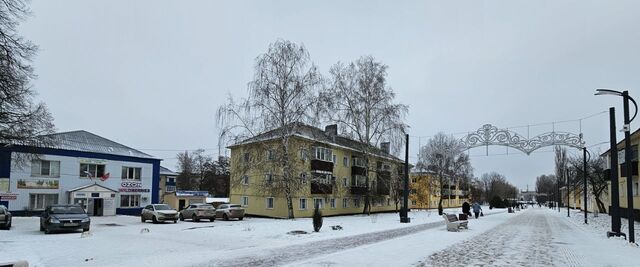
x=150 y=74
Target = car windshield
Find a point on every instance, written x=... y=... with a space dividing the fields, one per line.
x=234 y=206
x=67 y=210
x=163 y=207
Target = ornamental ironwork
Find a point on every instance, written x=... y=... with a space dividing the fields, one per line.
x=489 y=135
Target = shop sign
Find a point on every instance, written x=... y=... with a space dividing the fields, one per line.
x=138 y=190
x=131 y=184
x=8 y=196
x=93 y=161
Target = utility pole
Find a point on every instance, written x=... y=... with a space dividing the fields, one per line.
x=615 y=186
x=404 y=213
x=628 y=164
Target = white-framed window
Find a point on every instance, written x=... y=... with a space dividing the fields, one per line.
x=414 y=180
x=345 y=182
x=271 y=155
x=131 y=173
x=335 y=159
x=269 y=202
x=345 y=161
x=93 y=170
x=321 y=153
x=244 y=201
x=318 y=202
x=358 y=162
x=245 y=179
x=268 y=178
x=635 y=188
x=345 y=203
x=45 y=168
x=41 y=201
x=413 y=202
x=303 y=203
x=332 y=202
x=304 y=154
x=324 y=178
x=303 y=178
x=171 y=188
x=129 y=201
x=358 y=180
x=356 y=202
x=171 y=180
x=246 y=157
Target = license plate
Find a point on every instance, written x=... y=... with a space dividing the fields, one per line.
x=70 y=224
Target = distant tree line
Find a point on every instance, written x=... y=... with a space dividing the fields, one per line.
x=198 y=171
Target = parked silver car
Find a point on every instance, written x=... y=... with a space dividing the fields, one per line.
x=195 y=212
x=159 y=213
x=5 y=218
x=228 y=211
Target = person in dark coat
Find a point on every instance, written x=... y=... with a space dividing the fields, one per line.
x=466 y=208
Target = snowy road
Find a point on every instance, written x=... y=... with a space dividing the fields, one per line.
x=537 y=237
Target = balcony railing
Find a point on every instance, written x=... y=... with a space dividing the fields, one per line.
x=358 y=190
x=318 y=187
x=634 y=169
x=356 y=170
x=320 y=165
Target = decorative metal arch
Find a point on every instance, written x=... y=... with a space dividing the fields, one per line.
x=489 y=135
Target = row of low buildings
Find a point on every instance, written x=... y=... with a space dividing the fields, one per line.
x=575 y=197
x=109 y=178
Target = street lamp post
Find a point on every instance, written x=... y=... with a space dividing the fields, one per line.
x=567 y=187
x=615 y=186
x=558 y=193
x=627 y=152
x=585 y=152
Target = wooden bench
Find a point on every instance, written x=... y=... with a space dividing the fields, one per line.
x=453 y=224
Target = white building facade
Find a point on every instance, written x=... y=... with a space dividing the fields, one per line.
x=104 y=177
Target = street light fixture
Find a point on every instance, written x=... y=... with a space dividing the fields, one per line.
x=627 y=151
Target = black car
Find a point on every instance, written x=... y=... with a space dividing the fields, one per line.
x=64 y=217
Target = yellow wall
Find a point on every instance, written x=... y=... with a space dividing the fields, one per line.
x=425 y=193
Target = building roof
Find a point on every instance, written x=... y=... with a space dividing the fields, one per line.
x=88 y=142
x=90 y=185
x=166 y=171
x=192 y=193
x=632 y=135
x=318 y=135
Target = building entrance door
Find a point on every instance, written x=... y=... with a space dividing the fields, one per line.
x=98 y=205
x=181 y=204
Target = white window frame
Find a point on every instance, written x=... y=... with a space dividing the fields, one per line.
x=300 y=203
x=267 y=203
x=170 y=188
x=94 y=174
x=323 y=154
x=271 y=154
x=41 y=201
x=345 y=182
x=244 y=200
x=303 y=177
x=245 y=179
x=268 y=178
x=133 y=200
x=53 y=170
x=332 y=203
x=136 y=170
x=345 y=161
x=358 y=162
x=171 y=179
x=318 y=200
x=334 y=159
x=345 y=203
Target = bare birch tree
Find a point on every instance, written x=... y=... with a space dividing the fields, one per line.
x=282 y=94
x=597 y=180
x=22 y=120
x=360 y=102
x=444 y=156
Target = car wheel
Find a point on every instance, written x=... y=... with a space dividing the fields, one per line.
x=85 y=229
x=212 y=219
x=240 y=218
x=47 y=231
x=181 y=218
x=154 y=219
x=225 y=217
x=195 y=218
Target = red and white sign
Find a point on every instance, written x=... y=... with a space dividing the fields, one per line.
x=8 y=196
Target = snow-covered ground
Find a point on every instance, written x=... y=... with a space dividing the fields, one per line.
x=531 y=237
x=121 y=241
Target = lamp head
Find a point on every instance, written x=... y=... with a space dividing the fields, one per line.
x=605 y=91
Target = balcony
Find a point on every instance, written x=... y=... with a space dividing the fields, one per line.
x=357 y=170
x=321 y=188
x=358 y=190
x=634 y=169
x=320 y=165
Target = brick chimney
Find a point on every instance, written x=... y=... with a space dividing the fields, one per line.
x=384 y=146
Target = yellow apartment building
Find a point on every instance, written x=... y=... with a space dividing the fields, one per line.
x=425 y=192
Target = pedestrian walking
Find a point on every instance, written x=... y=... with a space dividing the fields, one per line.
x=466 y=208
x=476 y=209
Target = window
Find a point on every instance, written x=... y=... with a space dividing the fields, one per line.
x=345 y=161
x=171 y=180
x=246 y=157
x=245 y=179
x=304 y=154
x=413 y=202
x=322 y=153
x=303 y=203
x=317 y=202
x=91 y=170
x=268 y=178
x=414 y=180
x=269 y=203
x=245 y=201
x=356 y=202
x=171 y=188
x=345 y=182
x=334 y=159
x=324 y=178
x=46 y=168
x=358 y=181
x=303 y=178
x=358 y=162
x=345 y=203
x=129 y=201
x=635 y=188
x=333 y=203
x=271 y=155
x=130 y=173
x=41 y=201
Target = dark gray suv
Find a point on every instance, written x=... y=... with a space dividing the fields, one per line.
x=64 y=217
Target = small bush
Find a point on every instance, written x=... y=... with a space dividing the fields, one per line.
x=317 y=218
